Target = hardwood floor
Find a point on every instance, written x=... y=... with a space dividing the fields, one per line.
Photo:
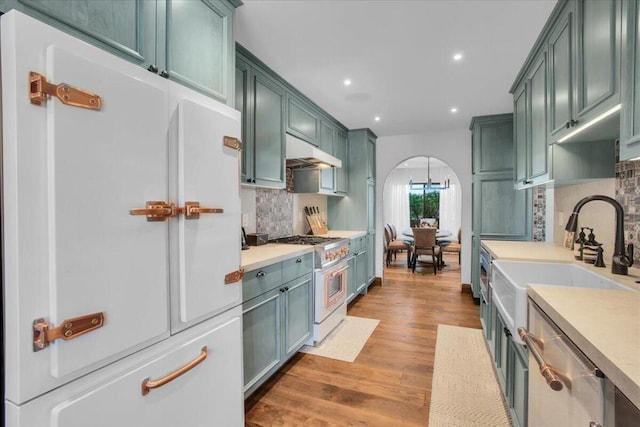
x=389 y=384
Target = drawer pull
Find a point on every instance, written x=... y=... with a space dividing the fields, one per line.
x=299 y=260
x=148 y=384
x=554 y=378
x=261 y=274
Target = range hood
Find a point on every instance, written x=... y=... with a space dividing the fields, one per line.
x=301 y=154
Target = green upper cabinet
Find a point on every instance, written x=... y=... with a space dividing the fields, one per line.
x=302 y=120
x=199 y=46
x=326 y=143
x=189 y=41
x=268 y=101
x=341 y=150
x=561 y=74
x=530 y=115
x=597 y=58
x=371 y=158
x=261 y=100
x=630 y=85
x=492 y=141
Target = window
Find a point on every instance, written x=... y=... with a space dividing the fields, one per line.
x=424 y=202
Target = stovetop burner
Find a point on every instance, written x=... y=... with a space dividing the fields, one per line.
x=305 y=240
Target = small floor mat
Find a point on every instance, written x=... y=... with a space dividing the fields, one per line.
x=346 y=341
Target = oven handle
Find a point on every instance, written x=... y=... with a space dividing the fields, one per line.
x=552 y=377
x=335 y=273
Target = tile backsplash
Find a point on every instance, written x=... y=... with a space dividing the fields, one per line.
x=274 y=212
x=539 y=213
x=627 y=192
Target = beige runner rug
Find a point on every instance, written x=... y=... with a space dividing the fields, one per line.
x=346 y=341
x=465 y=391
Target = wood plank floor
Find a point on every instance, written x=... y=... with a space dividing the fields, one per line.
x=389 y=384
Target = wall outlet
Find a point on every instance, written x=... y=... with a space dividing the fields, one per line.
x=245 y=220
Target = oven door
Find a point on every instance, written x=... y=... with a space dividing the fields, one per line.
x=331 y=290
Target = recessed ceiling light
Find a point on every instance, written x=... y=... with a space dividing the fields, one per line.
x=457 y=57
x=347 y=82
x=454 y=110
x=376 y=118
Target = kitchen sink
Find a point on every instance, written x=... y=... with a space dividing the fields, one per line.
x=509 y=281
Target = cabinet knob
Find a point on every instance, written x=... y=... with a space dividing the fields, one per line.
x=299 y=260
x=286 y=288
x=261 y=274
x=253 y=181
x=165 y=74
x=572 y=122
x=153 y=68
x=282 y=290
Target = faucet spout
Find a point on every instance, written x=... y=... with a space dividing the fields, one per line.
x=621 y=260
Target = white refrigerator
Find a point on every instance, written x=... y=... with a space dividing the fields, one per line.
x=121 y=256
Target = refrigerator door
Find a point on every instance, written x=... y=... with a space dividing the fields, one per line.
x=70 y=178
x=207 y=247
x=580 y=402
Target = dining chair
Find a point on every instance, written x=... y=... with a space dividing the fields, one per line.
x=425 y=244
x=394 y=246
x=453 y=247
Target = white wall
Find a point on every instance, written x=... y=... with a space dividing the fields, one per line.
x=453 y=148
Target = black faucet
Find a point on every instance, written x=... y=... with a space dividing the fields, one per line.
x=622 y=259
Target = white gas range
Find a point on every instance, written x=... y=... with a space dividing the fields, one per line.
x=329 y=281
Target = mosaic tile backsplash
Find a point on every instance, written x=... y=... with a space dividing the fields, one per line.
x=539 y=214
x=628 y=194
x=274 y=212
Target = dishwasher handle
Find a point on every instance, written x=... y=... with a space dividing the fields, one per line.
x=550 y=375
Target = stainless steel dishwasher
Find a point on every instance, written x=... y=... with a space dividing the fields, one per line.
x=566 y=389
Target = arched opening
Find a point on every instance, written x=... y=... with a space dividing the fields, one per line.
x=420 y=191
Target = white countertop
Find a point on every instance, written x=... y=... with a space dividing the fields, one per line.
x=603 y=323
x=261 y=256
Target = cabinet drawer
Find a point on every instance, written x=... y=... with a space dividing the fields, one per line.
x=261 y=280
x=357 y=244
x=296 y=267
x=208 y=394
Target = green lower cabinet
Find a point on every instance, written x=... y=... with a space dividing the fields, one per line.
x=500 y=356
x=276 y=323
x=298 y=314
x=261 y=323
x=351 y=279
x=519 y=376
x=371 y=258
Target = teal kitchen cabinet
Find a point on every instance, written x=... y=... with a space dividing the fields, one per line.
x=357 y=210
x=262 y=103
x=188 y=41
x=499 y=211
x=500 y=357
x=341 y=151
x=326 y=143
x=530 y=111
x=277 y=317
x=584 y=69
x=303 y=120
x=519 y=383
x=371 y=261
x=357 y=279
x=630 y=85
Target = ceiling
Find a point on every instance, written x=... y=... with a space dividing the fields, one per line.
x=398 y=55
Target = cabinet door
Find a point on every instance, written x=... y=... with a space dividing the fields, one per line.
x=327 y=176
x=501 y=352
x=207 y=173
x=561 y=80
x=630 y=86
x=210 y=393
x=501 y=211
x=302 y=121
x=371 y=206
x=126 y=28
x=268 y=131
x=243 y=98
x=598 y=58
x=198 y=37
x=341 y=150
x=298 y=314
x=361 y=270
x=70 y=178
x=537 y=97
x=520 y=133
x=371 y=259
x=371 y=158
x=493 y=146
x=519 y=383
x=261 y=337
